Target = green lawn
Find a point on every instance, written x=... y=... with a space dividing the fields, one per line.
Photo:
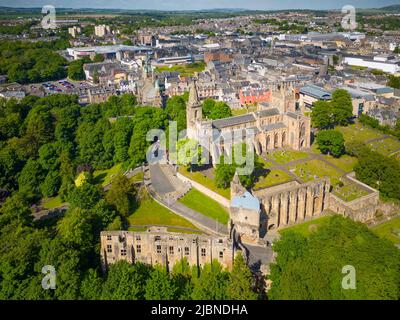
x=205 y=181
x=345 y=162
x=358 y=132
x=177 y=230
x=386 y=146
x=389 y=230
x=51 y=203
x=137 y=229
x=185 y=70
x=199 y=202
x=151 y=213
x=274 y=177
x=285 y=156
x=349 y=192
x=307 y=171
x=104 y=177
x=239 y=112
x=138 y=177
x=306 y=228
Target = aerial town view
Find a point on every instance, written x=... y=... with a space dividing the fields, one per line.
x=209 y=150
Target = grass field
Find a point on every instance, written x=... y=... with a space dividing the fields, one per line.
x=199 y=202
x=283 y=157
x=138 y=177
x=345 y=162
x=104 y=177
x=307 y=171
x=306 y=228
x=358 y=132
x=151 y=213
x=51 y=203
x=239 y=112
x=185 y=70
x=389 y=230
x=272 y=178
x=349 y=192
x=177 y=230
x=205 y=181
x=386 y=146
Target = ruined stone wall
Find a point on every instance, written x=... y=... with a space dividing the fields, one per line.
x=293 y=203
x=157 y=246
x=361 y=209
x=208 y=192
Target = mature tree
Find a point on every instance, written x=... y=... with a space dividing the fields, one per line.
x=241 y=281
x=19 y=248
x=122 y=195
x=49 y=156
x=212 y=283
x=160 y=285
x=85 y=196
x=182 y=275
x=220 y=110
x=342 y=107
x=15 y=209
x=75 y=70
x=338 y=111
x=75 y=228
x=30 y=178
x=90 y=143
x=91 y=285
x=224 y=174
x=243 y=160
x=216 y=109
x=207 y=107
x=125 y=281
x=312 y=268
x=176 y=110
x=104 y=214
x=66 y=262
x=51 y=184
x=394 y=82
x=331 y=142
x=321 y=115
x=378 y=171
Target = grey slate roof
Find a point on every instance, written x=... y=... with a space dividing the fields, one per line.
x=316 y=92
x=273 y=126
x=268 y=112
x=233 y=121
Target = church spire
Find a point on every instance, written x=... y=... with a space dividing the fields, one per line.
x=193 y=96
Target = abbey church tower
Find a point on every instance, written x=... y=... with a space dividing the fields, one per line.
x=193 y=112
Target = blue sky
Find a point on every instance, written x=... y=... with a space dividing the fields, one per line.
x=201 y=4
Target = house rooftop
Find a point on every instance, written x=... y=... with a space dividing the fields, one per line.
x=316 y=92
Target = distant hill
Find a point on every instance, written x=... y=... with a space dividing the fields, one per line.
x=395 y=7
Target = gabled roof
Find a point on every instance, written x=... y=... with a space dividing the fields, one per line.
x=233 y=121
x=316 y=92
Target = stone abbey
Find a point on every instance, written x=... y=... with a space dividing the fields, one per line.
x=254 y=214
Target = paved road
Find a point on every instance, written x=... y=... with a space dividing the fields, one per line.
x=161 y=186
x=160 y=182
